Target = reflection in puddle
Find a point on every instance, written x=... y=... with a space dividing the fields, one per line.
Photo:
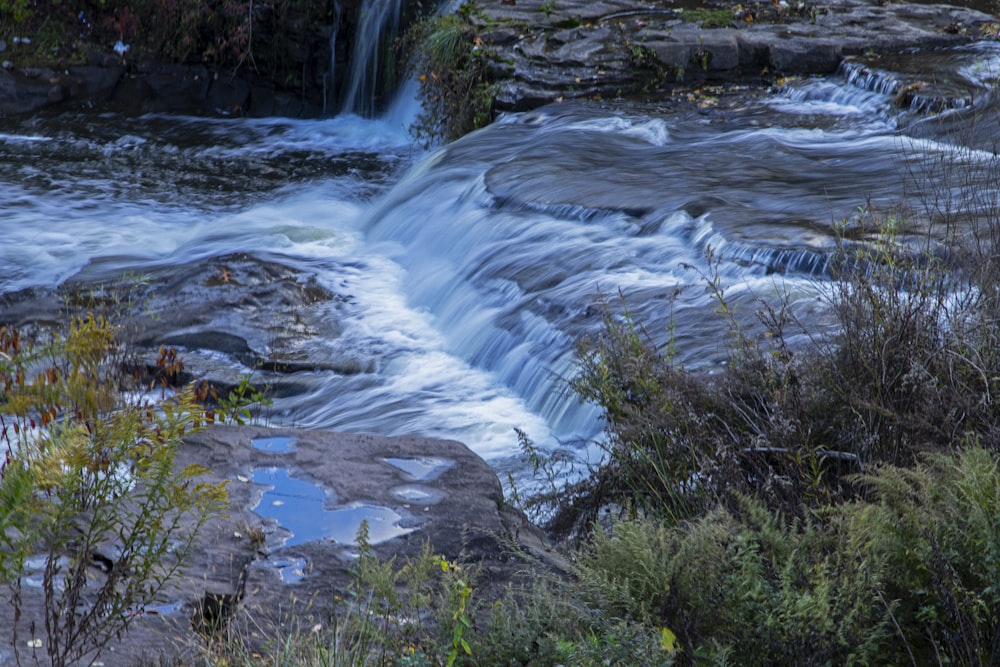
x=422 y=468
x=299 y=507
x=294 y=503
x=281 y=444
x=164 y=609
x=291 y=570
x=421 y=495
x=383 y=524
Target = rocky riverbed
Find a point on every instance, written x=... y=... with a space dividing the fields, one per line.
x=541 y=51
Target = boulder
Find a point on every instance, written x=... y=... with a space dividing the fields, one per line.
x=287 y=543
x=23 y=91
x=579 y=50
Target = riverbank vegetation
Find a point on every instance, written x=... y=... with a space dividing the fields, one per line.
x=835 y=501
x=280 y=42
x=50 y=31
x=820 y=499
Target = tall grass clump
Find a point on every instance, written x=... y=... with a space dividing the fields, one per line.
x=453 y=67
x=913 y=367
x=416 y=613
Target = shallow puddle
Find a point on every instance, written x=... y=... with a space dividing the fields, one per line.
x=291 y=570
x=165 y=608
x=299 y=506
x=383 y=524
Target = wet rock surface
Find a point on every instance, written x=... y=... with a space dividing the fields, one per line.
x=108 y=83
x=412 y=491
x=227 y=316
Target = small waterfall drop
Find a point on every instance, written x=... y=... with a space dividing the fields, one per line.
x=333 y=55
x=372 y=75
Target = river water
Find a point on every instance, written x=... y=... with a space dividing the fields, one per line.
x=474 y=267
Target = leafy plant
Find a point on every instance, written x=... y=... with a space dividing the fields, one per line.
x=90 y=488
x=17 y=11
x=415 y=614
x=459 y=592
x=173 y=29
x=244 y=403
x=933 y=530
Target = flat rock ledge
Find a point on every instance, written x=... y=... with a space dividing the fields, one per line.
x=297 y=499
x=575 y=49
x=106 y=83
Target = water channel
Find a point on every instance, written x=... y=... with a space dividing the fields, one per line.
x=474 y=267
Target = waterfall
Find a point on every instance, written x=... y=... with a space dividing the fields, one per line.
x=372 y=68
x=333 y=55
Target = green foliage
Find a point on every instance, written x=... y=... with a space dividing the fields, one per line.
x=459 y=591
x=914 y=367
x=934 y=529
x=551 y=621
x=754 y=537
x=244 y=402
x=751 y=586
x=17 y=11
x=644 y=60
x=89 y=477
x=453 y=66
x=173 y=29
x=709 y=18
x=659 y=418
x=916 y=346
x=904 y=574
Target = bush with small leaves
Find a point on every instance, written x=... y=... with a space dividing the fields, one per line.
x=90 y=477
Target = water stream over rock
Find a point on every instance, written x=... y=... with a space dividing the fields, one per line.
x=462 y=277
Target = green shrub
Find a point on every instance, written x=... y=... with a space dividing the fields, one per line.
x=16 y=11
x=935 y=531
x=453 y=67
x=914 y=366
x=217 y=32
x=659 y=420
x=751 y=587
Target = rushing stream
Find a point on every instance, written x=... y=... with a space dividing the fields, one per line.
x=475 y=267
